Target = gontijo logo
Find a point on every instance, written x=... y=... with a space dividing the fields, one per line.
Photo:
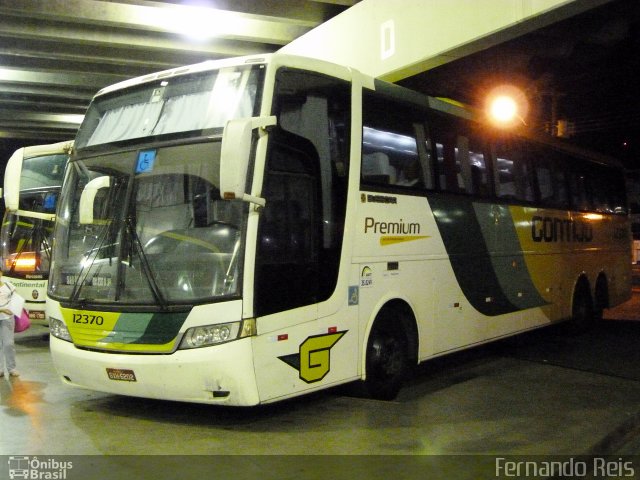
x=393 y=232
x=313 y=359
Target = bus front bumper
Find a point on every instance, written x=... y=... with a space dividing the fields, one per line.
x=221 y=374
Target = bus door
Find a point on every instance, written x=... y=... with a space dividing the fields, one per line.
x=301 y=343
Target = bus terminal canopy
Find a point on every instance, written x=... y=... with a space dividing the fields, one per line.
x=385 y=45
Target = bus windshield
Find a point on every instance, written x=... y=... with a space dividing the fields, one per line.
x=190 y=103
x=147 y=228
x=26 y=246
x=44 y=172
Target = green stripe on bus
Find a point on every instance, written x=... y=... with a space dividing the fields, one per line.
x=485 y=255
x=499 y=232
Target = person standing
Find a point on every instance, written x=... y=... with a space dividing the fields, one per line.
x=7 y=325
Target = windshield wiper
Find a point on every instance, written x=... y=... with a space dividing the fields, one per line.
x=98 y=244
x=146 y=266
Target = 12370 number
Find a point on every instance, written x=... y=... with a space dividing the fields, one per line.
x=88 y=319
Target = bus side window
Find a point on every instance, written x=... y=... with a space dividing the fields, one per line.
x=513 y=177
x=463 y=169
x=551 y=180
x=598 y=188
x=544 y=177
x=394 y=146
x=579 y=194
x=472 y=173
x=616 y=189
x=449 y=174
x=376 y=168
x=560 y=190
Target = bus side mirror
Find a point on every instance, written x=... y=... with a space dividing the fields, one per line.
x=88 y=196
x=12 y=172
x=235 y=154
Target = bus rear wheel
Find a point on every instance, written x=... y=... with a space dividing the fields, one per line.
x=601 y=299
x=582 y=313
x=387 y=360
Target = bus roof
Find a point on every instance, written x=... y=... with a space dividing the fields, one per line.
x=439 y=104
x=50 y=149
x=187 y=69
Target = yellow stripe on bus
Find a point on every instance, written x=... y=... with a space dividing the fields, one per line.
x=393 y=239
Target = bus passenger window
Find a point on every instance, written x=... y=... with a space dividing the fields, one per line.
x=506 y=187
x=579 y=195
x=545 y=184
x=463 y=171
x=376 y=168
x=394 y=145
x=513 y=178
x=466 y=171
x=390 y=157
x=560 y=188
x=410 y=173
x=479 y=174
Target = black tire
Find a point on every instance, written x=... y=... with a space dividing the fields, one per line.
x=601 y=300
x=582 y=312
x=387 y=359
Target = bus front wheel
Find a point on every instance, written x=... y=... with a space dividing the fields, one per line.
x=387 y=360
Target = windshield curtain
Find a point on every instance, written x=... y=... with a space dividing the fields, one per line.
x=188 y=103
x=152 y=235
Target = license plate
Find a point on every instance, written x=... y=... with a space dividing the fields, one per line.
x=121 y=375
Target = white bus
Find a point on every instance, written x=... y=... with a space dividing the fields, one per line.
x=247 y=230
x=32 y=180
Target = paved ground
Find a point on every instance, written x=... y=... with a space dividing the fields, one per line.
x=631 y=309
x=537 y=396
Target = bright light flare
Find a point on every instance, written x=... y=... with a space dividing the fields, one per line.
x=507 y=106
x=503 y=109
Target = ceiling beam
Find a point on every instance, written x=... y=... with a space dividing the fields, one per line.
x=86 y=37
x=163 y=18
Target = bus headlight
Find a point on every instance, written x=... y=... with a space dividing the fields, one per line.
x=207 y=335
x=58 y=329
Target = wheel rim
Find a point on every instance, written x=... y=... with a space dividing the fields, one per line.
x=387 y=357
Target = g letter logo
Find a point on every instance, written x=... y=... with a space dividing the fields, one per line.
x=313 y=359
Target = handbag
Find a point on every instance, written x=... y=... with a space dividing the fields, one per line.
x=22 y=321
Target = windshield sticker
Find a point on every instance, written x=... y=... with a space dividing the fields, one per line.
x=146 y=159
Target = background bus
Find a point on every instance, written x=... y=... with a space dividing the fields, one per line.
x=32 y=181
x=248 y=230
